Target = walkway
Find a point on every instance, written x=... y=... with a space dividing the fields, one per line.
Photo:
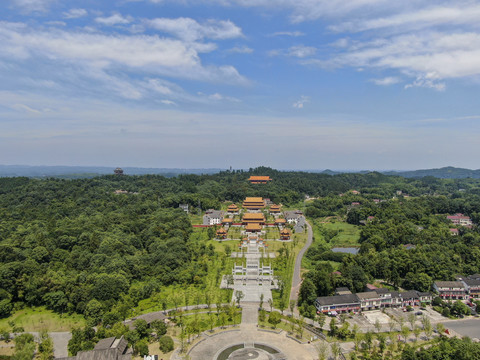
x=297 y=280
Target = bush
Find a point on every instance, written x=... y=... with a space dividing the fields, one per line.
x=141 y=348
x=166 y=344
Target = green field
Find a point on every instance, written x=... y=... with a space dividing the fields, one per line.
x=39 y=318
x=348 y=234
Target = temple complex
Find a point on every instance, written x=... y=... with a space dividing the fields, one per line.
x=253 y=218
x=254 y=203
x=259 y=179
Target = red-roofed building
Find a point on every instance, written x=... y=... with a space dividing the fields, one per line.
x=460 y=219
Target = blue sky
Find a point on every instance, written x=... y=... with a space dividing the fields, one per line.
x=306 y=84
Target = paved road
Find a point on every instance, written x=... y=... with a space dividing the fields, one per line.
x=465 y=327
x=298 y=264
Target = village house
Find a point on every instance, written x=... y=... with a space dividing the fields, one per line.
x=472 y=285
x=370 y=300
x=109 y=348
x=460 y=219
x=454 y=232
x=451 y=290
x=293 y=216
x=337 y=304
x=213 y=217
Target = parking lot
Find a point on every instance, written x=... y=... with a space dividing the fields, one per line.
x=465 y=327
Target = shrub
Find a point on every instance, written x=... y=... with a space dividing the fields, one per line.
x=166 y=344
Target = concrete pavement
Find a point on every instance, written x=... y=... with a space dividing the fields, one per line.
x=296 y=280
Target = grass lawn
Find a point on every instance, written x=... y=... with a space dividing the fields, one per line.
x=39 y=318
x=7 y=349
x=348 y=234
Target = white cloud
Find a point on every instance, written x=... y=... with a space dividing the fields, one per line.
x=300 y=103
x=389 y=80
x=190 y=30
x=420 y=18
x=140 y=53
x=56 y=23
x=33 y=5
x=241 y=50
x=75 y=13
x=428 y=57
x=168 y=102
x=115 y=19
x=425 y=82
x=288 y=33
x=301 y=51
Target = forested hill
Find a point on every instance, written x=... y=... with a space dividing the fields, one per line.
x=77 y=246
x=442 y=173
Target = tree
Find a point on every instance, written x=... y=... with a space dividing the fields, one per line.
x=239 y=295
x=335 y=348
x=275 y=318
x=159 y=327
x=141 y=348
x=6 y=308
x=141 y=327
x=440 y=329
x=24 y=347
x=261 y=300
x=307 y=293
x=412 y=319
x=416 y=332
x=270 y=303
x=377 y=325
x=391 y=324
x=322 y=350
x=45 y=346
x=211 y=321
x=427 y=326
x=166 y=344
x=292 y=306
x=94 y=312
x=321 y=318
x=223 y=319
x=405 y=331
x=333 y=327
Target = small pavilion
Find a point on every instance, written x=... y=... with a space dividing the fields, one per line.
x=221 y=233
x=285 y=234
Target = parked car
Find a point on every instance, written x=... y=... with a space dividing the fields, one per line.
x=418 y=313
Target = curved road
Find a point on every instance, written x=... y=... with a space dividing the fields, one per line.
x=298 y=264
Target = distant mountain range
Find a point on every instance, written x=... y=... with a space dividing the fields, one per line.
x=92 y=171
x=448 y=172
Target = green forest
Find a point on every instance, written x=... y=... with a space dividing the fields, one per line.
x=77 y=247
